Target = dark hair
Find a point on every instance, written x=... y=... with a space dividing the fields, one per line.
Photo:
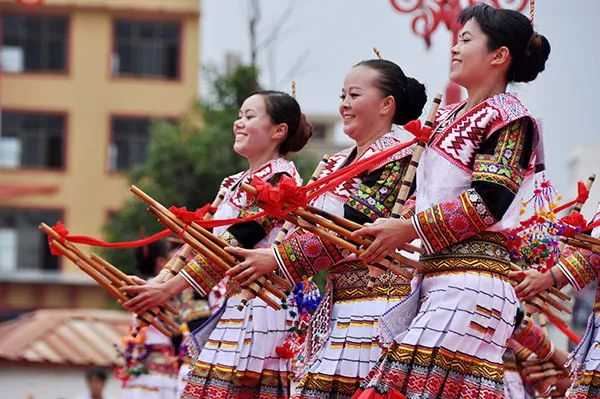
x=283 y=108
x=409 y=93
x=146 y=256
x=96 y=373
x=528 y=49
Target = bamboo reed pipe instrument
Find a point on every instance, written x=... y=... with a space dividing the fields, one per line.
x=323 y=227
x=212 y=248
x=177 y=262
x=248 y=294
x=111 y=279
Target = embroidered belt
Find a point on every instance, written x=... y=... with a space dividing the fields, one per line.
x=350 y=279
x=484 y=252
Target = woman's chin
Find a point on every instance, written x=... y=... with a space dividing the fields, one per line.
x=239 y=148
x=350 y=132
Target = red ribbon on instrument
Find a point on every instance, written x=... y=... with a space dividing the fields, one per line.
x=562 y=327
x=422 y=133
x=64 y=234
x=582 y=195
x=576 y=220
x=273 y=199
x=295 y=196
x=592 y=226
x=187 y=216
x=62 y=231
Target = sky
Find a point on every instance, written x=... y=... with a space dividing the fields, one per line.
x=319 y=41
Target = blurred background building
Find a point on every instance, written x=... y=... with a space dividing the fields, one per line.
x=80 y=82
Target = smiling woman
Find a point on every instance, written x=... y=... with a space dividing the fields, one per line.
x=375 y=95
x=480 y=159
x=239 y=358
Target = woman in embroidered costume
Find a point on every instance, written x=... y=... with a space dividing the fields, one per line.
x=341 y=342
x=577 y=267
x=238 y=358
x=469 y=180
x=151 y=362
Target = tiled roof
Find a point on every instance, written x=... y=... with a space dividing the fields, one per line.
x=79 y=337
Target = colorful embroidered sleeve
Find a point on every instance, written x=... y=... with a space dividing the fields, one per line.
x=201 y=275
x=498 y=172
x=579 y=266
x=303 y=254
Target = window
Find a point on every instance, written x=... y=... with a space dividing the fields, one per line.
x=130 y=137
x=146 y=49
x=22 y=245
x=32 y=140
x=34 y=43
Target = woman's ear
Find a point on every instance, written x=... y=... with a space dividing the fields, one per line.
x=501 y=56
x=389 y=105
x=280 y=132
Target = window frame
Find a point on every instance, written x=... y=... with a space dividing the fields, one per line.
x=178 y=21
x=68 y=42
x=61 y=211
x=65 y=142
x=112 y=117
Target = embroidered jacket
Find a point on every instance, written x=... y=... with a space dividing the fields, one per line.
x=473 y=169
x=363 y=198
x=198 y=272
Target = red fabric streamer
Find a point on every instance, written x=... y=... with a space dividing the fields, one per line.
x=189 y=217
x=64 y=233
x=592 y=226
x=287 y=193
x=320 y=186
x=274 y=198
x=575 y=219
x=562 y=327
x=421 y=133
x=582 y=195
x=331 y=181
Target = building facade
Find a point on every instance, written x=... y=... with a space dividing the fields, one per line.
x=80 y=82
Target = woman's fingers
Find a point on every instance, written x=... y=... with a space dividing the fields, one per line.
x=253 y=277
x=368 y=230
x=238 y=251
x=237 y=269
x=369 y=253
x=244 y=274
x=137 y=279
x=520 y=275
x=133 y=302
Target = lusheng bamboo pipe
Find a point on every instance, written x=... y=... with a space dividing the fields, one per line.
x=84 y=263
x=288 y=279
x=125 y=279
x=203 y=240
x=204 y=251
x=552 y=290
x=309 y=222
x=540 y=299
x=409 y=175
x=177 y=262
